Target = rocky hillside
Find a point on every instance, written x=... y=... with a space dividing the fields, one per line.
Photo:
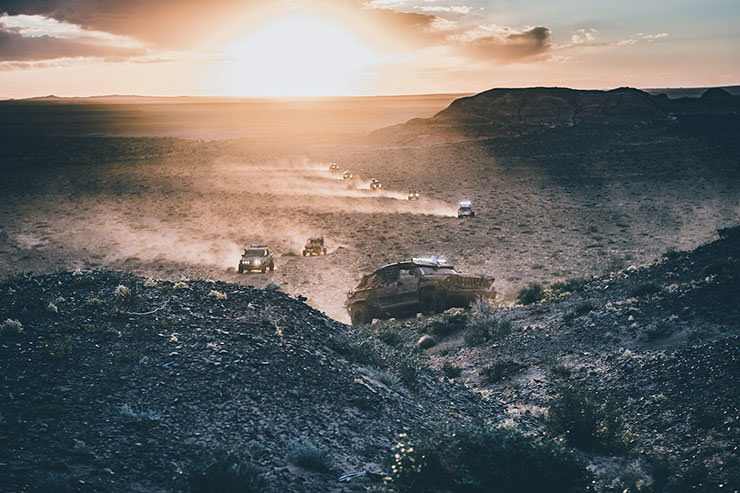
x=111 y=382
x=512 y=111
x=657 y=347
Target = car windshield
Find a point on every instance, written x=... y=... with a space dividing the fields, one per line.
x=426 y=270
x=256 y=252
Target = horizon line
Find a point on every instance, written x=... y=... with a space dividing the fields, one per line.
x=356 y=96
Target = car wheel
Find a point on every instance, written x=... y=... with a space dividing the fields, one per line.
x=359 y=315
x=430 y=303
x=304 y=253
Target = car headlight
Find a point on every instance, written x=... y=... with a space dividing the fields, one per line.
x=257 y=262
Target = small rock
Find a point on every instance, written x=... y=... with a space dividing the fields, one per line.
x=426 y=341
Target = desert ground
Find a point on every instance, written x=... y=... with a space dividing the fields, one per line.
x=178 y=189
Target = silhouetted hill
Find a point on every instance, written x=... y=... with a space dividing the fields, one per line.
x=514 y=111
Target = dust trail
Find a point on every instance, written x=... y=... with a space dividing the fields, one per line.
x=316 y=182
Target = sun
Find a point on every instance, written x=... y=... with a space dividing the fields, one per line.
x=296 y=55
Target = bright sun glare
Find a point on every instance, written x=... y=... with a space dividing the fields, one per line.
x=300 y=55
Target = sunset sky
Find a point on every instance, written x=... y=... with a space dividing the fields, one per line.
x=361 y=47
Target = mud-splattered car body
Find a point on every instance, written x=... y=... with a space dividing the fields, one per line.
x=257 y=258
x=426 y=285
x=314 y=246
x=375 y=184
x=347 y=175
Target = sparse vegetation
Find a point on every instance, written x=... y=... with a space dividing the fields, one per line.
x=485 y=324
x=217 y=295
x=367 y=349
x=124 y=296
x=309 y=456
x=130 y=415
x=487 y=459
x=450 y=323
x=59 y=349
x=645 y=289
x=501 y=369
x=657 y=330
x=10 y=327
x=531 y=293
x=451 y=370
x=586 y=420
x=579 y=309
x=228 y=473
x=574 y=285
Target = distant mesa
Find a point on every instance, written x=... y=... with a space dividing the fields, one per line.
x=507 y=111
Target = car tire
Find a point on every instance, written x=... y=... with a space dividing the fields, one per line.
x=359 y=315
x=430 y=302
x=304 y=253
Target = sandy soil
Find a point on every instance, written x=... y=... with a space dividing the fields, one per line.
x=563 y=204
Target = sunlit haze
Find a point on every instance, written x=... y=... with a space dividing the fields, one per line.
x=361 y=47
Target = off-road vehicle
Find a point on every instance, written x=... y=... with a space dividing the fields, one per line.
x=427 y=285
x=465 y=209
x=333 y=167
x=314 y=246
x=375 y=184
x=257 y=258
x=413 y=195
x=347 y=175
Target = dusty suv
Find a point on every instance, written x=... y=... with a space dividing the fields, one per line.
x=334 y=167
x=314 y=246
x=375 y=184
x=347 y=175
x=257 y=258
x=465 y=209
x=413 y=195
x=427 y=285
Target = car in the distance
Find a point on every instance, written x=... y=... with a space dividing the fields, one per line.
x=465 y=209
x=413 y=195
x=347 y=175
x=375 y=184
x=314 y=246
x=333 y=167
x=257 y=258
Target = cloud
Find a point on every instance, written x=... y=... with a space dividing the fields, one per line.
x=17 y=47
x=504 y=44
x=165 y=23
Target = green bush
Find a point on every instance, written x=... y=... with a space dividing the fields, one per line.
x=586 y=421
x=484 y=324
x=531 y=293
x=482 y=458
x=227 y=473
x=448 y=324
x=309 y=456
x=452 y=371
x=501 y=369
x=355 y=347
x=569 y=286
x=388 y=334
x=644 y=289
x=580 y=308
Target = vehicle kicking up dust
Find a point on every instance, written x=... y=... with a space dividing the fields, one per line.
x=314 y=246
x=427 y=285
x=257 y=258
